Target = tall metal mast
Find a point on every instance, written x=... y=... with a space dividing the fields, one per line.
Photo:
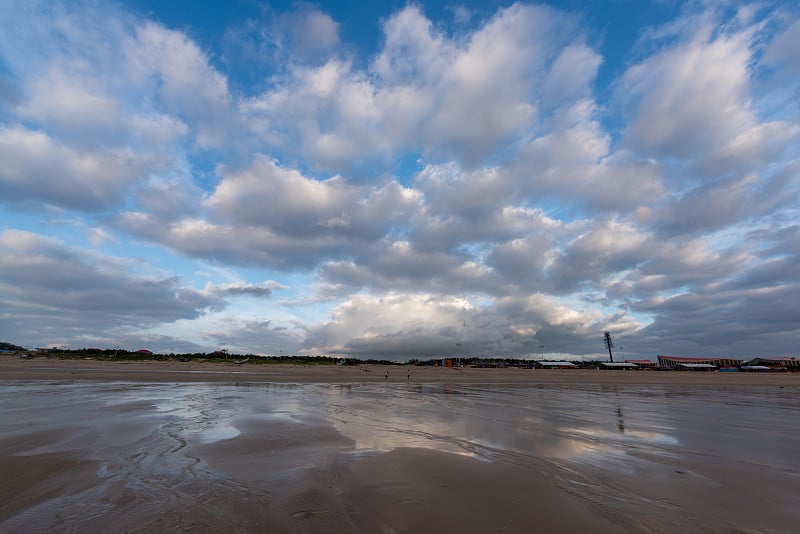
x=609 y=344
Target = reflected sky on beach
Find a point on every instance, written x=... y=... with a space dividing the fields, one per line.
x=576 y=423
x=633 y=448
x=621 y=427
x=625 y=429
x=591 y=424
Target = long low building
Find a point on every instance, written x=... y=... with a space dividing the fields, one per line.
x=541 y=364
x=643 y=364
x=788 y=362
x=696 y=367
x=618 y=365
x=672 y=362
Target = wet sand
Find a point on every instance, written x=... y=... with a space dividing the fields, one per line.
x=110 y=452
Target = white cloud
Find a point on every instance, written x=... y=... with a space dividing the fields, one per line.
x=68 y=98
x=174 y=66
x=570 y=76
x=40 y=169
x=692 y=101
x=448 y=98
x=266 y=215
x=103 y=106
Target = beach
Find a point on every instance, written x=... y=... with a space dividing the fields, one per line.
x=90 y=446
x=14 y=368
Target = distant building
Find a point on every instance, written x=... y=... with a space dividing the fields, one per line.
x=144 y=351
x=697 y=367
x=789 y=363
x=673 y=362
x=759 y=369
x=620 y=366
x=643 y=364
x=554 y=365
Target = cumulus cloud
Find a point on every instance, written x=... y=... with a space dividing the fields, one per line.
x=445 y=97
x=171 y=65
x=102 y=107
x=40 y=169
x=691 y=101
x=266 y=215
x=398 y=325
x=284 y=200
x=465 y=186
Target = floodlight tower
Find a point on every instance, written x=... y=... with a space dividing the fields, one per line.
x=609 y=344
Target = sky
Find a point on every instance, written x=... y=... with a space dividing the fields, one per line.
x=401 y=180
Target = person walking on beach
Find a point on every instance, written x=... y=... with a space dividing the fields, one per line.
x=386 y=376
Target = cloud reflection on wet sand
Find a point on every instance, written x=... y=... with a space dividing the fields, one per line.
x=168 y=456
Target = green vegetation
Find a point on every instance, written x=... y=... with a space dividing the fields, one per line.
x=142 y=356
x=223 y=356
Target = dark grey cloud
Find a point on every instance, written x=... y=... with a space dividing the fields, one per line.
x=777 y=239
x=249 y=290
x=389 y=266
x=51 y=291
x=728 y=322
x=721 y=203
x=258 y=337
x=781 y=54
x=228 y=244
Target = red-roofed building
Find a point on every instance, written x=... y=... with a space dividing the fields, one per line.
x=672 y=362
x=143 y=351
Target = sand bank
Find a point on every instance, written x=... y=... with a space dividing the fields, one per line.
x=156 y=371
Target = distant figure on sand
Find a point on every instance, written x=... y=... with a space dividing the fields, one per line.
x=386 y=376
x=409 y=374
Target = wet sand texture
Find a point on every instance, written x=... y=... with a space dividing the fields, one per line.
x=81 y=456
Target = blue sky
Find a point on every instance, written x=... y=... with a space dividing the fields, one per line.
x=401 y=180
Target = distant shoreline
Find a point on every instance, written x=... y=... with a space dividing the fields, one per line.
x=14 y=368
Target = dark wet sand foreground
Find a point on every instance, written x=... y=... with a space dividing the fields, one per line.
x=89 y=456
